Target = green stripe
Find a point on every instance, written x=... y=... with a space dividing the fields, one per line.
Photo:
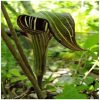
x=68 y=23
x=39 y=52
x=30 y=24
x=35 y=23
x=21 y=23
x=43 y=42
x=46 y=26
x=40 y=43
x=26 y=22
x=65 y=28
x=71 y=46
x=70 y=27
x=34 y=50
x=70 y=18
x=29 y=21
x=63 y=25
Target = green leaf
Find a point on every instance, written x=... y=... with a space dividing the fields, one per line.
x=89 y=80
x=91 y=88
x=96 y=85
x=91 y=41
x=21 y=78
x=70 y=92
x=14 y=72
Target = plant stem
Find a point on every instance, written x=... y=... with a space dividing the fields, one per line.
x=3 y=90
x=21 y=52
x=95 y=64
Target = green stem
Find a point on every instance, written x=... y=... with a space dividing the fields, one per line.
x=15 y=37
x=3 y=89
x=87 y=73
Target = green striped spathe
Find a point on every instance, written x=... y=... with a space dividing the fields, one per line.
x=40 y=38
x=42 y=27
x=62 y=27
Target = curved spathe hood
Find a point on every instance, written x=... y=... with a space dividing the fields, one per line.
x=60 y=25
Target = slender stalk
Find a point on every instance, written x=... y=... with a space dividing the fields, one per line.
x=3 y=89
x=16 y=55
x=95 y=64
x=15 y=37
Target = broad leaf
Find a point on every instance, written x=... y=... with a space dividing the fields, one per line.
x=91 y=41
x=71 y=92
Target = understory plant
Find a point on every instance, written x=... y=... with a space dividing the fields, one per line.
x=39 y=29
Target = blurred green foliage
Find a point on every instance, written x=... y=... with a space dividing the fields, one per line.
x=71 y=92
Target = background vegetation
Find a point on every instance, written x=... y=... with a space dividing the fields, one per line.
x=70 y=75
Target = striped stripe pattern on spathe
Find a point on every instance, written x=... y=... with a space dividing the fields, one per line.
x=40 y=43
x=62 y=27
x=32 y=24
x=41 y=35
